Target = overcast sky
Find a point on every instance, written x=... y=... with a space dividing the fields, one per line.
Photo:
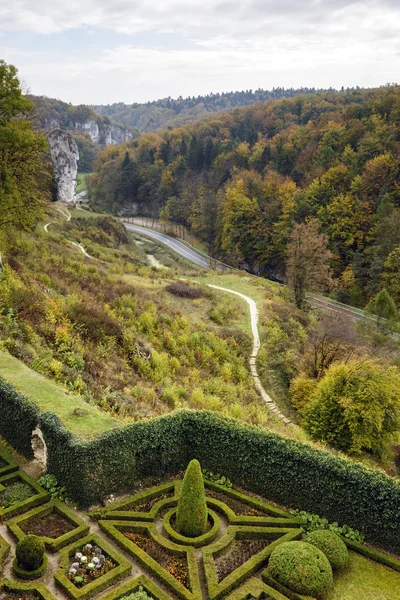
x=104 y=51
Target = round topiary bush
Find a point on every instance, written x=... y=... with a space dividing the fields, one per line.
x=30 y=552
x=191 y=514
x=301 y=567
x=331 y=545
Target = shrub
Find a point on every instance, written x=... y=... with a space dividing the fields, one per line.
x=331 y=545
x=30 y=552
x=140 y=594
x=182 y=290
x=191 y=514
x=301 y=567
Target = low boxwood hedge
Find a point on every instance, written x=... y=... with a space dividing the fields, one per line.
x=373 y=554
x=124 y=509
x=93 y=588
x=40 y=496
x=257 y=590
x=26 y=588
x=29 y=575
x=4 y=550
x=133 y=586
x=198 y=541
x=218 y=589
x=10 y=465
x=115 y=529
x=52 y=544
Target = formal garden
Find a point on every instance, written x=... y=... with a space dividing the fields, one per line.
x=193 y=537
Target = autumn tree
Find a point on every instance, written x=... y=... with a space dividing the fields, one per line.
x=307 y=260
x=356 y=407
x=24 y=172
x=384 y=307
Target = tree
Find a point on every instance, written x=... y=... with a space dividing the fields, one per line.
x=356 y=407
x=384 y=307
x=25 y=179
x=307 y=260
x=191 y=514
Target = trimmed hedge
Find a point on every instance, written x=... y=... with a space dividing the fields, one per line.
x=11 y=465
x=287 y=471
x=218 y=589
x=331 y=545
x=115 y=529
x=19 y=417
x=198 y=541
x=124 y=509
x=256 y=589
x=30 y=552
x=4 y=550
x=30 y=588
x=93 y=588
x=52 y=544
x=37 y=498
x=24 y=574
x=133 y=586
x=191 y=512
x=373 y=554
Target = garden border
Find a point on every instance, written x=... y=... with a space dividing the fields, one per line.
x=196 y=542
x=11 y=465
x=5 y=548
x=141 y=581
x=52 y=544
x=114 y=513
x=256 y=589
x=40 y=497
x=114 y=530
x=266 y=577
x=122 y=569
x=29 y=575
x=16 y=586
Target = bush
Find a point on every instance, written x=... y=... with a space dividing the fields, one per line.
x=301 y=567
x=331 y=545
x=140 y=594
x=19 y=417
x=30 y=552
x=191 y=514
x=182 y=290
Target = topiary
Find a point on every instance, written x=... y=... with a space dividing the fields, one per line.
x=301 y=567
x=30 y=552
x=331 y=545
x=191 y=514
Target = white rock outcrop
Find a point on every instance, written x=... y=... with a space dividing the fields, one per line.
x=104 y=134
x=65 y=156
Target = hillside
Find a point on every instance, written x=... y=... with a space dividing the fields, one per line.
x=241 y=180
x=168 y=112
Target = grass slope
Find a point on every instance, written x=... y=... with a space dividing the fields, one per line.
x=51 y=397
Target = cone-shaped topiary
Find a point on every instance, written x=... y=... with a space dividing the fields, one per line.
x=191 y=514
x=30 y=552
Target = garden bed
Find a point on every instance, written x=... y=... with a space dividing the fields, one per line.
x=54 y=522
x=18 y=493
x=12 y=590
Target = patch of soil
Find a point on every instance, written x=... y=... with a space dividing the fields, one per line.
x=239 y=508
x=238 y=553
x=51 y=526
x=174 y=565
x=19 y=596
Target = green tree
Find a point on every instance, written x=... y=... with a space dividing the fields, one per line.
x=25 y=179
x=191 y=514
x=384 y=307
x=356 y=407
x=307 y=260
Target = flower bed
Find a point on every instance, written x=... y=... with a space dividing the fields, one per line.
x=18 y=493
x=74 y=563
x=54 y=522
x=238 y=553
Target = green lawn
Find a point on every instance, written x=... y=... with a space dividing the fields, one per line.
x=51 y=397
x=365 y=579
x=80 y=182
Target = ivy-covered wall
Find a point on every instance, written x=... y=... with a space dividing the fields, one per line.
x=293 y=474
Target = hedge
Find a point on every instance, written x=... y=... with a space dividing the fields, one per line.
x=29 y=588
x=198 y=541
x=115 y=529
x=289 y=594
x=218 y=589
x=286 y=471
x=133 y=586
x=52 y=544
x=19 y=417
x=124 y=509
x=10 y=465
x=256 y=589
x=93 y=588
x=24 y=574
x=39 y=496
x=4 y=550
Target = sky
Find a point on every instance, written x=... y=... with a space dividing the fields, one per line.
x=105 y=51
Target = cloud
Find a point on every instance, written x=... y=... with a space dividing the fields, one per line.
x=144 y=50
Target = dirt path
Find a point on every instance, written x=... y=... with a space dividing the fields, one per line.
x=256 y=347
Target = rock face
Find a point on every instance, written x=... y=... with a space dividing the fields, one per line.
x=100 y=133
x=65 y=156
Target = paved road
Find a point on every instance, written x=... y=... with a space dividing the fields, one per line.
x=172 y=243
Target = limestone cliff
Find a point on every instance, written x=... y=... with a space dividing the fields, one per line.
x=65 y=156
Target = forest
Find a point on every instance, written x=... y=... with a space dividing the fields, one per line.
x=169 y=112
x=240 y=181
